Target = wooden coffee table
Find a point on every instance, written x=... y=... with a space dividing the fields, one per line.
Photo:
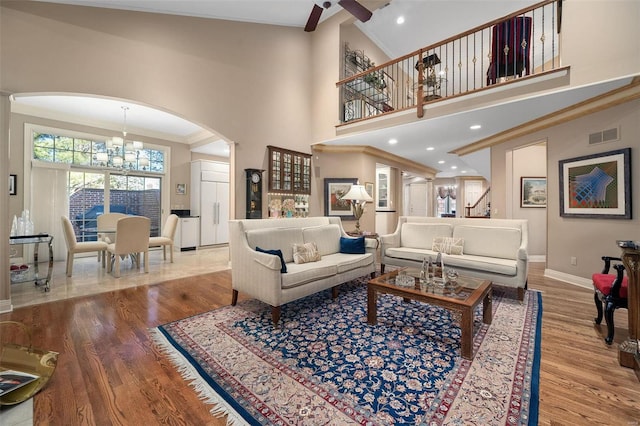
x=463 y=298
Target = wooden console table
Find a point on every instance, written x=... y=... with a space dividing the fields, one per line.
x=629 y=350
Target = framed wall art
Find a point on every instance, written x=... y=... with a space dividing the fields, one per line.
x=533 y=192
x=334 y=189
x=181 y=188
x=368 y=186
x=13 y=185
x=596 y=186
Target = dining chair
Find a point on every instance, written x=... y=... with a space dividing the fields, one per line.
x=73 y=246
x=610 y=290
x=132 y=238
x=168 y=234
x=105 y=222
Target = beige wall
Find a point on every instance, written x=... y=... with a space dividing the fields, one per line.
x=254 y=91
x=531 y=161
x=585 y=239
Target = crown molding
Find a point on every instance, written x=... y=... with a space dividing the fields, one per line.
x=598 y=103
x=374 y=152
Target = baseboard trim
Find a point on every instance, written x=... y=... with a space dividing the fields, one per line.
x=568 y=278
x=538 y=258
x=5 y=306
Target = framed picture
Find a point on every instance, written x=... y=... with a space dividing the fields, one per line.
x=181 y=188
x=13 y=185
x=596 y=186
x=334 y=205
x=368 y=186
x=533 y=192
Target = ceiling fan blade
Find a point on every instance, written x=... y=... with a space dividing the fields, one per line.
x=356 y=9
x=314 y=18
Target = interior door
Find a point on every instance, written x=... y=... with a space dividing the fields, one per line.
x=418 y=199
x=472 y=191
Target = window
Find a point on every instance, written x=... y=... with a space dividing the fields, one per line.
x=84 y=152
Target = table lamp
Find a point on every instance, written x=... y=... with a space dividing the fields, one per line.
x=358 y=196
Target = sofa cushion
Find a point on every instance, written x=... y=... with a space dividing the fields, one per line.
x=493 y=265
x=326 y=237
x=448 y=245
x=305 y=253
x=421 y=235
x=352 y=245
x=276 y=238
x=283 y=267
x=302 y=273
x=490 y=241
x=410 y=253
x=349 y=262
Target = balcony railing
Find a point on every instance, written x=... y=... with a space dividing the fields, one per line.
x=524 y=43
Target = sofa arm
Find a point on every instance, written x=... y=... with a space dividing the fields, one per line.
x=522 y=254
x=269 y=261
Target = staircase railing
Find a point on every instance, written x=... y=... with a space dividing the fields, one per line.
x=524 y=43
x=481 y=208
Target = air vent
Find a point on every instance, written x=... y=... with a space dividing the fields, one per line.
x=604 y=136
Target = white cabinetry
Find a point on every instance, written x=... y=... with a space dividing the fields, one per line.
x=210 y=200
x=385 y=188
x=187 y=233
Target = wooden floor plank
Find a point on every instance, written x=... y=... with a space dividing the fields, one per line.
x=110 y=372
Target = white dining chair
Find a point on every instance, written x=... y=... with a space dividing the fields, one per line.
x=132 y=238
x=73 y=246
x=168 y=234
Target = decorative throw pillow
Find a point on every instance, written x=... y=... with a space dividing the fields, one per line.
x=352 y=245
x=283 y=268
x=305 y=253
x=448 y=245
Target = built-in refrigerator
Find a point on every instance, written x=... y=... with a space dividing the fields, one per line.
x=210 y=200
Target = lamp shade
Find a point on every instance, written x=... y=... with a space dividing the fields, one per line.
x=357 y=193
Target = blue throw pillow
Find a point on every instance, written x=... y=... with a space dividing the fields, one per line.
x=283 y=269
x=352 y=245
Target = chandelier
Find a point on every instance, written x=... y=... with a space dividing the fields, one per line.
x=120 y=153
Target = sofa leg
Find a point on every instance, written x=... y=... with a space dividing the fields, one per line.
x=234 y=297
x=381 y=268
x=275 y=315
x=520 y=294
x=373 y=274
x=334 y=292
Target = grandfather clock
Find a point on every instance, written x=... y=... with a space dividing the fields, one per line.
x=254 y=193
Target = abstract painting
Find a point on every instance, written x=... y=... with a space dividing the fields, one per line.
x=596 y=186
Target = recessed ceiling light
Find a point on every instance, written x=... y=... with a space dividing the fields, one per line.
x=430 y=148
x=463 y=171
x=441 y=162
x=400 y=20
x=393 y=141
x=454 y=167
x=475 y=127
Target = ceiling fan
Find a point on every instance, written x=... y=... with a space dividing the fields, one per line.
x=352 y=6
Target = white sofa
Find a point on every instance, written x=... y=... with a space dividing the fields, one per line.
x=258 y=274
x=494 y=249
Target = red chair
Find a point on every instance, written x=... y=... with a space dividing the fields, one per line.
x=610 y=290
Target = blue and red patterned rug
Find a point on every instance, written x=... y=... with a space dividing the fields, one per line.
x=326 y=365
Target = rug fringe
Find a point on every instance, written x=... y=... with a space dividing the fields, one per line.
x=190 y=375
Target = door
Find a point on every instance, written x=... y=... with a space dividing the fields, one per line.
x=472 y=191
x=418 y=199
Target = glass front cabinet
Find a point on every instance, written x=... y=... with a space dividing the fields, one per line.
x=289 y=182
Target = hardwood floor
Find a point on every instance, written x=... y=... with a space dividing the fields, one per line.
x=109 y=371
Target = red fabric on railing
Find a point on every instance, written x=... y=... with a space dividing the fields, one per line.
x=510 y=44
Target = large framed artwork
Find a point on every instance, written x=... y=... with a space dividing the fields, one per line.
x=334 y=189
x=533 y=192
x=596 y=186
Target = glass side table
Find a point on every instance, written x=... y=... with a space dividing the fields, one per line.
x=31 y=273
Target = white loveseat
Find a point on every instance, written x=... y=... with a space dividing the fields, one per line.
x=494 y=249
x=259 y=274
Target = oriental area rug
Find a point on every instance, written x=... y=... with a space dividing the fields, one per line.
x=326 y=365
